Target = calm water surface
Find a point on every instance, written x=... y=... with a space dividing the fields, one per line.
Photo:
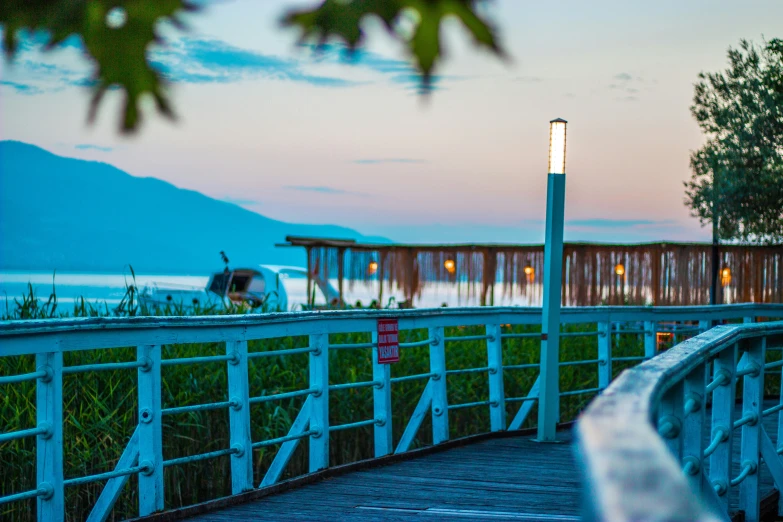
x=110 y=288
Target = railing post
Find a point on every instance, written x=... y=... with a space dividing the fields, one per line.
x=319 y=415
x=49 y=445
x=670 y=417
x=650 y=339
x=704 y=325
x=381 y=400
x=440 y=403
x=694 y=429
x=604 y=355
x=722 y=423
x=749 y=319
x=752 y=406
x=497 y=403
x=150 y=430
x=779 y=440
x=239 y=418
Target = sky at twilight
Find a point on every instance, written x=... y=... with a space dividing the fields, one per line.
x=314 y=138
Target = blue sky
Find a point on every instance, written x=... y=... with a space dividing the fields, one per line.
x=315 y=138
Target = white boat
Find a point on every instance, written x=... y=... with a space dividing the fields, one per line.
x=262 y=289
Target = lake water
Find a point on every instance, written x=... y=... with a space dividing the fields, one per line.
x=110 y=288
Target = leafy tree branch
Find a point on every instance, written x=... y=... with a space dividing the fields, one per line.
x=117 y=36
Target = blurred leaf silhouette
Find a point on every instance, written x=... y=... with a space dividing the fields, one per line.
x=117 y=34
x=342 y=20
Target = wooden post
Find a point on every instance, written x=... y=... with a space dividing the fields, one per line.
x=440 y=403
x=319 y=415
x=49 y=445
x=694 y=426
x=604 y=355
x=150 y=430
x=382 y=405
x=239 y=418
x=722 y=422
x=340 y=275
x=752 y=406
x=670 y=420
x=779 y=440
x=381 y=276
x=497 y=404
x=309 y=300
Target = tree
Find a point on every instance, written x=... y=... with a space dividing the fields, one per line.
x=116 y=35
x=737 y=180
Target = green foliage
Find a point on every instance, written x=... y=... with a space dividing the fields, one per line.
x=738 y=173
x=342 y=19
x=120 y=51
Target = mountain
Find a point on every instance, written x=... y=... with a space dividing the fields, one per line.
x=68 y=214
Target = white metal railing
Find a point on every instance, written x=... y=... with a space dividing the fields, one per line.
x=47 y=340
x=658 y=443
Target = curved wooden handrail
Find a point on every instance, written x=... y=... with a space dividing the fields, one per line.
x=629 y=473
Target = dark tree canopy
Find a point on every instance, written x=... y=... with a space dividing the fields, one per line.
x=117 y=34
x=738 y=173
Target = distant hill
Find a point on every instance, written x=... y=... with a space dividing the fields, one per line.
x=75 y=215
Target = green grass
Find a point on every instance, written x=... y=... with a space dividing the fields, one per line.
x=100 y=409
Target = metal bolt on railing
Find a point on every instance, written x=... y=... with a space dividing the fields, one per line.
x=145 y=415
x=720 y=434
x=722 y=378
x=147 y=468
x=669 y=427
x=239 y=450
x=48 y=373
x=45 y=490
x=752 y=370
x=692 y=403
x=46 y=430
x=749 y=418
x=692 y=465
x=748 y=468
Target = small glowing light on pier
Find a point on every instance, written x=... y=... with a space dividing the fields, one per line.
x=557 y=146
x=450 y=266
x=372 y=267
x=725 y=276
x=619 y=269
x=530 y=272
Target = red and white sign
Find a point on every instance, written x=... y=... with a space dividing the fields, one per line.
x=388 y=344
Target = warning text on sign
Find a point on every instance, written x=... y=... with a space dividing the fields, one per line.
x=388 y=344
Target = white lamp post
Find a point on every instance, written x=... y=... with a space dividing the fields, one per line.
x=549 y=389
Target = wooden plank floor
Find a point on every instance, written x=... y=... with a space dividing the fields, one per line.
x=505 y=479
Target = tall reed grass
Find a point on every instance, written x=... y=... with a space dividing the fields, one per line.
x=100 y=409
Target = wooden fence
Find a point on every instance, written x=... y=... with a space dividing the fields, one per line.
x=593 y=274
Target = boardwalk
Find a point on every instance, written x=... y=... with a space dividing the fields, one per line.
x=498 y=479
x=501 y=479
x=494 y=475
